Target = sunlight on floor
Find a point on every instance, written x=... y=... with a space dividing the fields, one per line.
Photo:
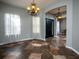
x=59 y=57
x=35 y=56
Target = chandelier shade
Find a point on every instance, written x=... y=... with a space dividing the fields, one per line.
x=33 y=9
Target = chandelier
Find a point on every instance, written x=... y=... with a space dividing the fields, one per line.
x=59 y=15
x=33 y=9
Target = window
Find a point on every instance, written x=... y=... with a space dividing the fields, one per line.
x=12 y=24
x=58 y=27
x=36 y=24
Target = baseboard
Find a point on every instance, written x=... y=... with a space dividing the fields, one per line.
x=73 y=49
x=20 y=40
x=15 y=41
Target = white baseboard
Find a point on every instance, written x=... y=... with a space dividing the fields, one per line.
x=20 y=40
x=15 y=41
x=73 y=49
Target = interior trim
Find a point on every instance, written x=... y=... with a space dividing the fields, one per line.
x=73 y=49
x=21 y=40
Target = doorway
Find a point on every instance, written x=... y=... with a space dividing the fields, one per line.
x=59 y=16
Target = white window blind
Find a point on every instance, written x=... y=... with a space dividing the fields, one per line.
x=12 y=24
x=58 y=27
x=36 y=24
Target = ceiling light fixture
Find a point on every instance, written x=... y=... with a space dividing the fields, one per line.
x=33 y=9
x=59 y=16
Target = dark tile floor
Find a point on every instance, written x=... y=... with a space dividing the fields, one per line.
x=36 y=49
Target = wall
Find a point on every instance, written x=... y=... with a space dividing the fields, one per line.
x=26 y=24
x=69 y=4
x=75 y=28
x=72 y=24
x=42 y=25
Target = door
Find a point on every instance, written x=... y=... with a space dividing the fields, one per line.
x=49 y=27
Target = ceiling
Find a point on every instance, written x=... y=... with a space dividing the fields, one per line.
x=25 y=3
x=55 y=11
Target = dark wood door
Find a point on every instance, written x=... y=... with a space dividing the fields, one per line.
x=49 y=27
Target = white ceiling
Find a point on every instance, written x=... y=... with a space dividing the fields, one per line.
x=25 y=3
